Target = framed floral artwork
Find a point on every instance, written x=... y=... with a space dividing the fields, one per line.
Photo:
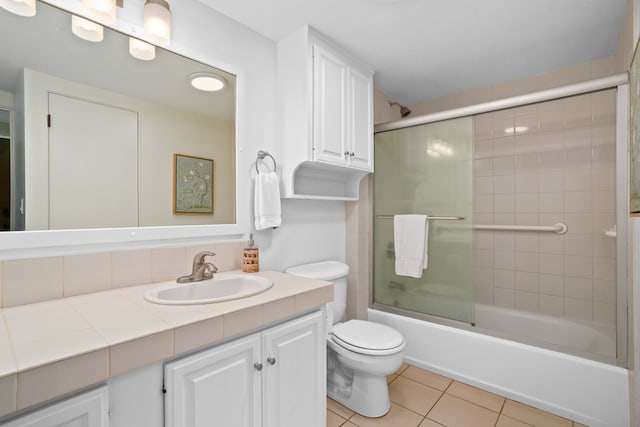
x=192 y=185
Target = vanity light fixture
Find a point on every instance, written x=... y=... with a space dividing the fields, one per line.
x=19 y=7
x=141 y=50
x=207 y=82
x=86 y=29
x=157 y=22
x=101 y=10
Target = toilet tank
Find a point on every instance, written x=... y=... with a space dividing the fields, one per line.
x=331 y=271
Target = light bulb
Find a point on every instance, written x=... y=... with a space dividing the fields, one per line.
x=19 y=7
x=157 y=22
x=86 y=29
x=141 y=50
x=101 y=10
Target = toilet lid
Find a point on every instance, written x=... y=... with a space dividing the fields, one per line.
x=367 y=335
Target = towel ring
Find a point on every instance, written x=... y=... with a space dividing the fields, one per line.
x=261 y=156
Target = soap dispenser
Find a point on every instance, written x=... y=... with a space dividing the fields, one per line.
x=250 y=257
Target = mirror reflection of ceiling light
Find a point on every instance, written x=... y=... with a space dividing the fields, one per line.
x=19 y=7
x=516 y=129
x=101 y=10
x=157 y=22
x=439 y=149
x=207 y=82
x=141 y=50
x=86 y=29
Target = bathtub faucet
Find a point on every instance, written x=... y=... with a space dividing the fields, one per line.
x=200 y=269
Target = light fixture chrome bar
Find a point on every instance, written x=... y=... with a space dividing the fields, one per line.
x=559 y=228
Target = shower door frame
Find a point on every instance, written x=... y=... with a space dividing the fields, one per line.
x=618 y=81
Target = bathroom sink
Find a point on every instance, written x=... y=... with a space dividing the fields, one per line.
x=223 y=287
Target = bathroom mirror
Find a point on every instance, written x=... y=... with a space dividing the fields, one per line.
x=44 y=66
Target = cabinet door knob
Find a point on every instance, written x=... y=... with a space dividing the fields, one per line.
x=271 y=360
x=258 y=366
x=352 y=154
x=347 y=154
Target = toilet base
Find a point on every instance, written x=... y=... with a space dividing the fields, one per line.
x=369 y=395
x=363 y=391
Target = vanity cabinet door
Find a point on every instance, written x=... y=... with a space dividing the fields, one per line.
x=273 y=378
x=216 y=387
x=294 y=385
x=90 y=409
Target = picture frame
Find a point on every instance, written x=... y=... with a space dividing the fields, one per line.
x=192 y=185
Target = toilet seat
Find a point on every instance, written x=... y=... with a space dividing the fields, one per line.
x=365 y=337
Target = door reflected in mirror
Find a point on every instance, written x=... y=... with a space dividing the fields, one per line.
x=93 y=131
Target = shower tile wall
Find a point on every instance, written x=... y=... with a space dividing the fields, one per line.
x=539 y=165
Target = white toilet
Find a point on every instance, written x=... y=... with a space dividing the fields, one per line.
x=360 y=354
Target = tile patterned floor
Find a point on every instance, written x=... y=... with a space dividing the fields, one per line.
x=423 y=399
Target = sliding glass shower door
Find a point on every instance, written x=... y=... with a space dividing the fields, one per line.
x=427 y=170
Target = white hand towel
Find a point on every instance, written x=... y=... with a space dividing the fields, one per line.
x=266 y=206
x=411 y=236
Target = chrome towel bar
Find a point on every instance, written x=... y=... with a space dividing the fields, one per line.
x=559 y=228
x=442 y=218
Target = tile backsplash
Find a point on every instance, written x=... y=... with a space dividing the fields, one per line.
x=41 y=279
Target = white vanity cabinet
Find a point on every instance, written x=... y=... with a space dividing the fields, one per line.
x=89 y=409
x=273 y=378
x=325 y=117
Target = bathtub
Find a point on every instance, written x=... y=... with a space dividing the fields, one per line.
x=587 y=391
x=580 y=338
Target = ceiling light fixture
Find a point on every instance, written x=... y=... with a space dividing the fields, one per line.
x=86 y=29
x=157 y=22
x=19 y=7
x=207 y=82
x=141 y=50
x=101 y=10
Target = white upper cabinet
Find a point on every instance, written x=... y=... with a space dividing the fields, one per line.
x=343 y=112
x=325 y=117
x=330 y=136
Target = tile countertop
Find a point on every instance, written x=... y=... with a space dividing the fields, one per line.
x=52 y=348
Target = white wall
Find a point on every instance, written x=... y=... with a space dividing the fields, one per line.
x=164 y=132
x=313 y=230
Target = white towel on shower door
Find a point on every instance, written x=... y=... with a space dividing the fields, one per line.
x=411 y=236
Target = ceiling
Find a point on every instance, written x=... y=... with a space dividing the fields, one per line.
x=425 y=49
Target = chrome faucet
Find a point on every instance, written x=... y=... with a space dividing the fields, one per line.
x=200 y=270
